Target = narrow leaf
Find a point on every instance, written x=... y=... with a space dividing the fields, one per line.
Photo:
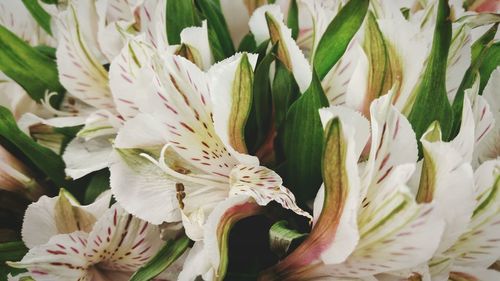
x=258 y=124
x=180 y=14
x=247 y=44
x=293 y=18
x=42 y=158
x=39 y=14
x=31 y=69
x=12 y=251
x=480 y=54
x=218 y=31
x=172 y=250
x=98 y=184
x=303 y=140
x=338 y=34
x=431 y=101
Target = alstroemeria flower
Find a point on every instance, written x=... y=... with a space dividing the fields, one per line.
x=72 y=242
x=184 y=157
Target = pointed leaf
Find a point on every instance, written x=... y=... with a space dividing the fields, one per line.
x=180 y=14
x=219 y=36
x=481 y=55
x=338 y=35
x=31 y=69
x=303 y=140
x=431 y=102
x=39 y=14
x=98 y=184
x=41 y=157
x=293 y=18
x=172 y=250
x=247 y=44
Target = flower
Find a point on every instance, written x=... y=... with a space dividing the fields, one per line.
x=68 y=241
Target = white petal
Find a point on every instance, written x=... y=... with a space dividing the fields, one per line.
x=80 y=70
x=197 y=37
x=393 y=142
x=475 y=273
x=122 y=242
x=197 y=264
x=236 y=15
x=61 y=258
x=299 y=65
x=123 y=74
x=84 y=157
x=263 y=185
x=153 y=23
x=465 y=140
x=453 y=186
x=222 y=76
x=459 y=59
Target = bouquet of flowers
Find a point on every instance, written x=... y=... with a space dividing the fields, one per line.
x=249 y=140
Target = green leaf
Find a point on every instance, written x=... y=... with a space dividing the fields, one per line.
x=44 y=159
x=337 y=36
x=31 y=69
x=303 y=142
x=39 y=14
x=431 y=101
x=293 y=18
x=46 y=50
x=258 y=124
x=490 y=62
x=50 y=1
x=172 y=250
x=180 y=14
x=480 y=56
x=218 y=32
x=11 y=251
x=98 y=184
x=282 y=240
x=247 y=44
x=285 y=92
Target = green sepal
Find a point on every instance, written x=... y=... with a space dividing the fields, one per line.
x=39 y=14
x=431 y=100
x=172 y=250
x=303 y=142
x=30 y=68
x=338 y=34
x=180 y=14
x=282 y=239
x=219 y=37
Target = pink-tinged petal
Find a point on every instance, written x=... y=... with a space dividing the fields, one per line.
x=61 y=258
x=181 y=102
x=474 y=274
x=123 y=74
x=218 y=227
x=339 y=210
x=122 y=242
x=80 y=70
x=263 y=185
